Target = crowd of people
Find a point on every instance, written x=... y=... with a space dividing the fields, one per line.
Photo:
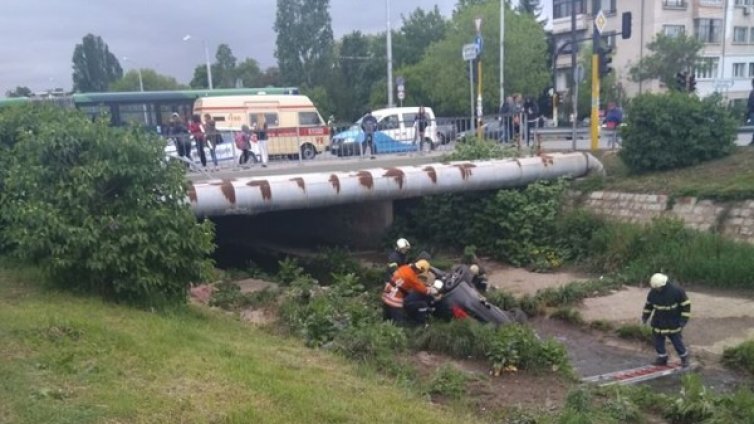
x=203 y=136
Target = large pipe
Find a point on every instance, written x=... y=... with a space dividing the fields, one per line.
x=250 y=196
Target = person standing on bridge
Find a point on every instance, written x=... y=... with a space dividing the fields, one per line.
x=212 y=135
x=261 y=137
x=178 y=132
x=750 y=109
x=197 y=133
x=670 y=310
x=369 y=126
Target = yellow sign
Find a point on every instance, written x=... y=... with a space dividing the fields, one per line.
x=600 y=21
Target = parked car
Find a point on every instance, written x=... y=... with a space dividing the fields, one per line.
x=396 y=133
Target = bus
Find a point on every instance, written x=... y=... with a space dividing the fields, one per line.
x=151 y=109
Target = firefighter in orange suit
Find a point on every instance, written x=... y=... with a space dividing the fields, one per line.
x=406 y=298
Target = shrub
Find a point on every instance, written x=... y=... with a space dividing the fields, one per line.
x=695 y=405
x=569 y=315
x=100 y=209
x=228 y=296
x=636 y=332
x=673 y=130
x=740 y=357
x=476 y=149
x=448 y=381
x=371 y=342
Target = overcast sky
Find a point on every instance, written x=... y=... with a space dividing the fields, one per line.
x=38 y=36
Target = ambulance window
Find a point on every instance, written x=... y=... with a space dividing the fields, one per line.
x=308 y=118
x=270 y=118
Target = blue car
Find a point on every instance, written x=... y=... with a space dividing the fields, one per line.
x=346 y=143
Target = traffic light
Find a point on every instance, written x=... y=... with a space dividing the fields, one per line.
x=626 y=26
x=605 y=59
x=692 y=83
x=681 y=80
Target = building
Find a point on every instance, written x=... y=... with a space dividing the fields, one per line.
x=725 y=26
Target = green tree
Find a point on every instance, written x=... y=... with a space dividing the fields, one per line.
x=419 y=30
x=271 y=77
x=610 y=89
x=304 y=45
x=532 y=7
x=153 y=81
x=440 y=79
x=349 y=93
x=249 y=74
x=19 y=92
x=99 y=208
x=670 y=55
x=94 y=66
x=224 y=68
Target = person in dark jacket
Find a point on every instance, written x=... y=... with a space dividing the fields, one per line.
x=750 y=109
x=398 y=256
x=178 y=132
x=670 y=310
x=369 y=125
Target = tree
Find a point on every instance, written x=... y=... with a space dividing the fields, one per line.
x=349 y=93
x=199 y=80
x=670 y=55
x=115 y=222
x=271 y=77
x=610 y=90
x=94 y=66
x=249 y=74
x=19 y=92
x=419 y=30
x=532 y=7
x=304 y=44
x=224 y=68
x=153 y=81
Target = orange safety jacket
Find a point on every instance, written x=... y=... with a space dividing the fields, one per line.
x=404 y=281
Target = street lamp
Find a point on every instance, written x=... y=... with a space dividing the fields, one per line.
x=138 y=71
x=188 y=37
x=389 y=40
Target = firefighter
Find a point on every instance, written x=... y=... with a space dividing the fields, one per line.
x=670 y=309
x=405 y=285
x=397 y=257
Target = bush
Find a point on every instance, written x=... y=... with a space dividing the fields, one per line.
x=740 y=357
x=228 y=296
x=371 y=342
x=569 y=315
x=636 y=332
x=480 y=149
x=448 y=381
x=673 y=130
x=99 y=208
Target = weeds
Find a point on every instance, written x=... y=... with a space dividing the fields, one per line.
x=569 y=315
x=228 y=296
x=448 y=381
x=601 y=325
x=641 y=333
x=740 y=357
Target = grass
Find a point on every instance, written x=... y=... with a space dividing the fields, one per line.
x=730 y=178
x=741 y=357
x=68 y=359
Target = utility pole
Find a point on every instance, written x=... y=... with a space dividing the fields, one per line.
x=574 y=68
x=389 y=58
x=502 y=50
x=596 y=51
x=479 y=101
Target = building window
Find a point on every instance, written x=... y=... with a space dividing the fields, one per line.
x=744 y=2
x=710 y=2
x=674 y=4
x=608 y=6
x=751 y=70
x=673 y=30
x=739 y=70
x=707 y=68
x=562 y=8
x=751 y=35
x=708 y=30
x=740 y=35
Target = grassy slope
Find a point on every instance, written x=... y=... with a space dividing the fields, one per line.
x=725 y=179
x=67 y=359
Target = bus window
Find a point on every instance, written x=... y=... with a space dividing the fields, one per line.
x=95 y=111
x=140 y=113
x=270 y=118
x=308 y=119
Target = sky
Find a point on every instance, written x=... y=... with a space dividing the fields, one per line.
x=38 y=36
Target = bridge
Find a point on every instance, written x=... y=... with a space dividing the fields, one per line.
x=358 y=203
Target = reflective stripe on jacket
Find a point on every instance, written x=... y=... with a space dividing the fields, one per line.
x=670 y=309
x=403 y=282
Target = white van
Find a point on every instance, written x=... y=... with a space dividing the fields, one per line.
x=399 y=123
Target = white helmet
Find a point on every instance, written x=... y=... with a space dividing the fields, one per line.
x=402 y=245
x=474 y=269
x=658 y=280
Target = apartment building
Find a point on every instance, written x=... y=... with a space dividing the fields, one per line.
x=725 y=26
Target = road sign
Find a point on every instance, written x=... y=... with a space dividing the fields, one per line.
x=600 y=21
x=401 y=95
x=399 y=81
x=469 y=52
x=479 y=43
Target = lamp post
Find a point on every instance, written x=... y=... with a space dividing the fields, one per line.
x=389 y=40
x=188 y=37
x=502 y=50
x=141 y=88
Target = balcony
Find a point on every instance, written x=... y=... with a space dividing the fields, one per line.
x=675 y=4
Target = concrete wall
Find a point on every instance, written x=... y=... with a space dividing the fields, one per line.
x=732 y=219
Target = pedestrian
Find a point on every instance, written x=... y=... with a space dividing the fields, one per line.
x=398 y=256
x=532 y=115
x=243 y=143
x=179 y=134
x=670 y=310
x=331 y=126
x=506 y=119
x=369 y=126
x=197 y=133
x=517 y=109
x=420 y=126
x=261 y=139
x=406 y=298
x=211 y=135
x=613 y=119
x=750 y=107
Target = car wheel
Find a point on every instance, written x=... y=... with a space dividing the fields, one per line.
x=308 y=152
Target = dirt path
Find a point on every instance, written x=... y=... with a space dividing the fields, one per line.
x=519 y=281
